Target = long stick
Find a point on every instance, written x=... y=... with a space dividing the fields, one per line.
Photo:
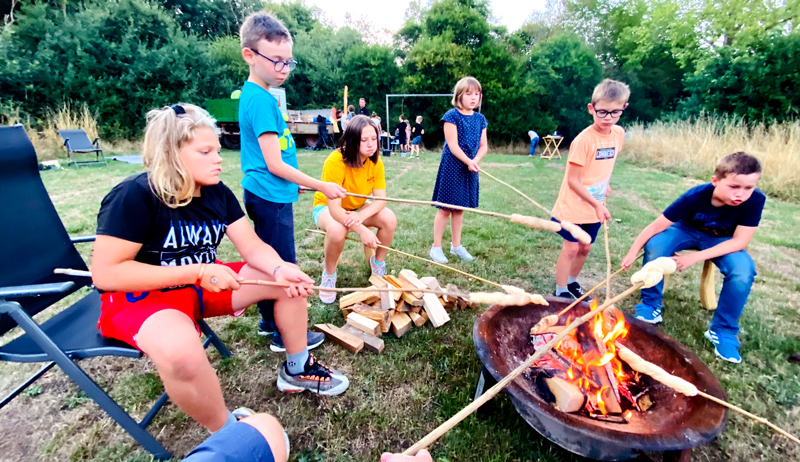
x=639 y=364
x=418 y=258
x=546 y=210
x=431 y=437
x=433 y=203
x=608 y=262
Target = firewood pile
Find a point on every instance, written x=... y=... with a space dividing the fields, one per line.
x=369 y=315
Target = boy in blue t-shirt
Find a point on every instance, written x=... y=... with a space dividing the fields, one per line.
x=719 y=219
x=269 y=157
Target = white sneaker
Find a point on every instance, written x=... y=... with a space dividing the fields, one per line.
x=378 y=269
x=461 y=252
x=438 y=255
x=327 y=281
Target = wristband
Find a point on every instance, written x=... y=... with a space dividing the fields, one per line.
x=200 y=274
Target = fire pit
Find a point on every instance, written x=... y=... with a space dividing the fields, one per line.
x=675 y=423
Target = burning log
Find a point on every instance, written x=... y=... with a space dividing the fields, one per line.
x=568 y=396
x=598 y=370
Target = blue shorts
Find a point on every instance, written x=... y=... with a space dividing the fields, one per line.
x=239 y=442
x=416 y=141
x=317 y=212
x=590 y=228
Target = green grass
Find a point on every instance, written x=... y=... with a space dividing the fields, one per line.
x=430 y=374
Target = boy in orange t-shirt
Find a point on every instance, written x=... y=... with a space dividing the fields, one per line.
x=581 y=199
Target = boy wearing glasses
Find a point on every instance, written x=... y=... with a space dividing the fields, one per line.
x=581 y=199
x=269 y=157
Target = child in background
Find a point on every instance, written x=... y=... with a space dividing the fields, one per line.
x=346 y=120
x=581 y=199
x=357 y=166
x=401 y=133
x=534 y=141
x=719 y=218
x=457 y=180
x=377 y=121
x=416 y=136
x=269 y=156
x=155 y=262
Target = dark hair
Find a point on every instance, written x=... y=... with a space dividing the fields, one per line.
x=350 y=142
x=402 y=117
x=351 y=108
x=738 y=163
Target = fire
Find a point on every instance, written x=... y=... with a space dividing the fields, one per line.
x=600 y=403
x=570 y=374
x=628 y=415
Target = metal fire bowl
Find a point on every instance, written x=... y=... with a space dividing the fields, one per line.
x=676 y=422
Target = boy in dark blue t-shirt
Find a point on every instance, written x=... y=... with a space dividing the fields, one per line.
x=719 y=219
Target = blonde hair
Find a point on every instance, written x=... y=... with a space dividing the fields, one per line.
x=611 y=91
x=467 y=83
x=167 y=131
x=261 y=25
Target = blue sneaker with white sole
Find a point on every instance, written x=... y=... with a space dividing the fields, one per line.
x=648 y=314
x=726 y=346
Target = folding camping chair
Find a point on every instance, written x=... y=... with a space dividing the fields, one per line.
x=77 y=142
x=34 y=242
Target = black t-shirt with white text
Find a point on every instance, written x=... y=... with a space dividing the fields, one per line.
x=169 y=237
x=363 y=111
x=694 y=209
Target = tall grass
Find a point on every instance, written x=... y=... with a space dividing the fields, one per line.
x=44 y=132
x=696 y=145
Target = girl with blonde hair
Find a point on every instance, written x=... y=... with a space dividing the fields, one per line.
x=155 y=261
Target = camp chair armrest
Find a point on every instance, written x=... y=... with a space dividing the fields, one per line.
x=66 y=143
x=35 y=290
x=79 y=239
x=96 y=143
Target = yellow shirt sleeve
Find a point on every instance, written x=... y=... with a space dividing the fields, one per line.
x=333 y=171
x=380 y=175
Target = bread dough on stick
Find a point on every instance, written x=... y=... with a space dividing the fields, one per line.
x=653 y=272
x=577 y=232
x=533 y=222
x=648 y=368
x=515 y=299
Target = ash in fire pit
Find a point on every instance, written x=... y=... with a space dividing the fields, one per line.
x=583 y=374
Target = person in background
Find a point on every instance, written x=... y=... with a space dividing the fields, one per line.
x=362 y=107
x=377 y=121
x=416 y=136
x=534 y=142
x=401 y=134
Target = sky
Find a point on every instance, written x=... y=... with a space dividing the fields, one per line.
x=389 y=14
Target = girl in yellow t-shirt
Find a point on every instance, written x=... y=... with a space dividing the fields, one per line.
x=357 y=166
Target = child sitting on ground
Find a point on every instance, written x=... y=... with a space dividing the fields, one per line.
x=719 y=219
x=582 y=198
x=155 y=260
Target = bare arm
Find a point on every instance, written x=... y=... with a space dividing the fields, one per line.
x=353 y=220
x=574 y=182
x=659 y=225
x=114 y=269
x=451 y=136
x=483 y=148
x=271 y=149
x=741 y=238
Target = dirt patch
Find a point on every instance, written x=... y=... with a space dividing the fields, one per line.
x=636 y=200
x=556 y=166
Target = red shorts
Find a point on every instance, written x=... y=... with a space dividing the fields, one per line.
x=123 y=313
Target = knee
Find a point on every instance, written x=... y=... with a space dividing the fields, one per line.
x=337 y=231
x=181 y=363
x=739 y=268
x=388 y=220
x=570 y=249
x=272 y=431
x=583 y=250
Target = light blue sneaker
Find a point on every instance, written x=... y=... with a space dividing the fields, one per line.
x=726 y=346
x=437 y=255
x=648 y=314
x=461 y=252
x=377 y=268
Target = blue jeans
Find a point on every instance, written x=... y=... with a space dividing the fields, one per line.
x=737 y=269
x=534 y=143
x=274 y=224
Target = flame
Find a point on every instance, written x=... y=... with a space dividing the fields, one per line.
x=628 y=415
x=619 y=330
x=605 y=359
x=570 y=374
x=600 y=403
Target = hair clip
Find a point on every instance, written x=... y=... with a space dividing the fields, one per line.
x=178 y=109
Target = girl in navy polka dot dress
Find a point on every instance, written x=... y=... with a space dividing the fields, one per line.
x=457 y=181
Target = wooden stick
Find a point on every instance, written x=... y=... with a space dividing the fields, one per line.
x=340 y=289
x=72 y=272
x=668 y=377
x=418 y=258
x=431 y=437
x=608 y=262
x=576 y=231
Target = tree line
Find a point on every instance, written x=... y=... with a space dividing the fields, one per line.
x=680 y=57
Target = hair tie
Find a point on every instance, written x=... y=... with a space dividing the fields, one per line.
x=178 y=109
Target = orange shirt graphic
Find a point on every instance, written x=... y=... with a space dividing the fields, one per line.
x=597 y=154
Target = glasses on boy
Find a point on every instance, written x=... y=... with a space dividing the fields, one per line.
x=291 y=64
x=603 y=113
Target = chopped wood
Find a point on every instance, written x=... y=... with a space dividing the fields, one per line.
x=416 y=309
x=371 y=343
x=349 y=342
x=401 y=323
x=403 y=284
x=409 y=298
x=417 y=319
x=403 y=306
x=424 y=315
x=569 y=397
x=365 y=324
x=411 y=278
x=430 y=282
x=438 y=315
x=598 y=373
x=387 y=298
x=384 y=318
x=359 y=297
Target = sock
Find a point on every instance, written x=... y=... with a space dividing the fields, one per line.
x=571 y=279
x=379 y=263
x=296 y=363
x=561 y=290
x=324 y=273
x=231 y=420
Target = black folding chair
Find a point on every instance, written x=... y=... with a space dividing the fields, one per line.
x=34 y=242
x=77 y=142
